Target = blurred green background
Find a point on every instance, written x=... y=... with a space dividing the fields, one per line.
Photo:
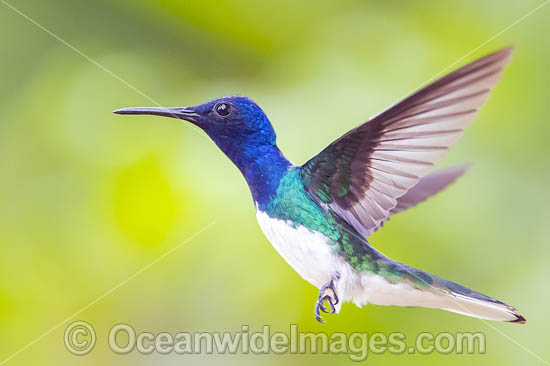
x=88 y=198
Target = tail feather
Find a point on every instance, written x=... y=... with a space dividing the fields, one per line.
x=418 y=288
x=491 y=310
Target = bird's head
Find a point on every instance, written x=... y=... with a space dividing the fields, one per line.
x=235 y=123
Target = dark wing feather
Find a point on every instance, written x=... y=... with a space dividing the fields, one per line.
x=427 y=186
x=361 y=175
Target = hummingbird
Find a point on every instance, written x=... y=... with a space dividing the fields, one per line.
x=319 y=216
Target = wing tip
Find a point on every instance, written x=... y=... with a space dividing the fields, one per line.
x=508 y=49
x=453 y=172
x=502 y=56
x=459 y=170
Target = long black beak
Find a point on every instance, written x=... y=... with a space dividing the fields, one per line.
x=174 y=112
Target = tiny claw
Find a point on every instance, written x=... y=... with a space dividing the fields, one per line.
x=318 y=307
x=328 y=299
x=319 y=319
x=332 y=301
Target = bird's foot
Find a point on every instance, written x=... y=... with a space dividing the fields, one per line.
x=331 y=300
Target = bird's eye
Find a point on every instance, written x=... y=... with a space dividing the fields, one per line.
x=223 y=109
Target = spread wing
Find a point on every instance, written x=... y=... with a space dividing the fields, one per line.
x=361 y=175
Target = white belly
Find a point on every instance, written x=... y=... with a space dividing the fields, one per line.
x=308 y=253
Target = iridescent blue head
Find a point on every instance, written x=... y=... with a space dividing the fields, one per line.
x=241 y=130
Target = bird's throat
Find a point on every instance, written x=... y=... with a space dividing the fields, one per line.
x=262 y=166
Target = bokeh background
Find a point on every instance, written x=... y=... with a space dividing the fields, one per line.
x=88 y=198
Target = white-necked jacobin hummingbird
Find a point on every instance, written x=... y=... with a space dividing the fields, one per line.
x=318 y=216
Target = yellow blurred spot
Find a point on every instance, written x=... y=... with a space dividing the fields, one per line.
x=146 y=207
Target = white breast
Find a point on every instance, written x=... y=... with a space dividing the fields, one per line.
x=309 y=254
